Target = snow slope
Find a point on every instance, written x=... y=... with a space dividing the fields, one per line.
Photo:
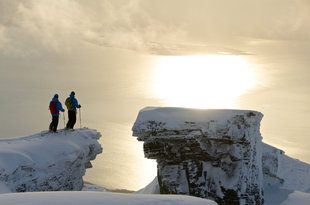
x=283 y=171
x=47 y=161
x=104 y=198
x=286 y=180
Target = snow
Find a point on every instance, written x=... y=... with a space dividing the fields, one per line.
x=273 y=195
x=296 y=197
x=47 y=161
x=276 y=196
x=174 y=118
x=3 y=188
x=152 y=188
x=286 y=180
x=104 y=198
x=283 y=171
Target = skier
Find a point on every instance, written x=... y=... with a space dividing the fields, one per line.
x=55 y=107
x=72 y=104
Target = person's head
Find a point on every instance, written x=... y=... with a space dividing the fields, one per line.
x=72 y=94
x=55 y=98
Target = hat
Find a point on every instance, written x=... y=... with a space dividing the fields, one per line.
x=72 y=93
x=56 y=96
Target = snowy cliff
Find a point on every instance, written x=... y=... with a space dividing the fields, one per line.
x=48 y=161
x=212 y=154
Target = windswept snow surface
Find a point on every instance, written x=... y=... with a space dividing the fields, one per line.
x=286 y=180
x=283 y=171
x=47 y=161
x=174 y=118
x=104 y=198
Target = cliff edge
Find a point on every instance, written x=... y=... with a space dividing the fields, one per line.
x=48 y=161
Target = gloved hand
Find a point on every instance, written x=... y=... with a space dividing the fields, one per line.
x=79 y=106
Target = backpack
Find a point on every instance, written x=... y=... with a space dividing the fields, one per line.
x=69 y=104
x=53 y=107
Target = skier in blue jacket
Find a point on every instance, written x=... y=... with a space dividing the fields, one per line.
x=72 y=104
x=55 y=106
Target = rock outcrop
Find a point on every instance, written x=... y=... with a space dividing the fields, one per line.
x=47 y=161
x=213 y=154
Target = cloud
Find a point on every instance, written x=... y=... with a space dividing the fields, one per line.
x=173 y=27
x=8 y=11
x=2 y=35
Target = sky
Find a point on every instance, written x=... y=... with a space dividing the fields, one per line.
x=114 y=54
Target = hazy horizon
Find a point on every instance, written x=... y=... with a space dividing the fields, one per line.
x=120 y=56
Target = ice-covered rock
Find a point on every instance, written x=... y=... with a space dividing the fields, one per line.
x=48 y=161
x=212 y=154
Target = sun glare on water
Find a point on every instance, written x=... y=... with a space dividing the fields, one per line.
x=209 y=81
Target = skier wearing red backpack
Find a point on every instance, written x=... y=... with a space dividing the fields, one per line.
x=55 y=107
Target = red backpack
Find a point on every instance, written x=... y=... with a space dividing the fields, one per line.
x=53 y=107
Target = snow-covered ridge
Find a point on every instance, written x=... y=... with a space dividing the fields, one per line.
x=48 y=161
x=283 y=171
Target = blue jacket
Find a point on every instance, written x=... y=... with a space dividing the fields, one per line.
x=58 y=106
x=74 y=102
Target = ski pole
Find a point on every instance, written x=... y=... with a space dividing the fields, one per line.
x=80 y=117
x=64 y=120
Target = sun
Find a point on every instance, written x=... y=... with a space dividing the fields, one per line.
x=205 y=81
